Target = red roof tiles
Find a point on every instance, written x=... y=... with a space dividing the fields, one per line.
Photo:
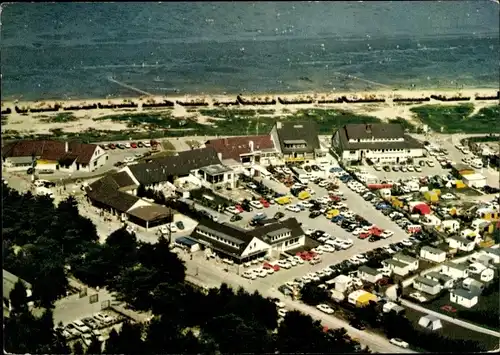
x=232 y=148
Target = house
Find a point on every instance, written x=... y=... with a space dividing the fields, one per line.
x=369 y=274
x=433 y=254
x=53 y=155
x=465 y=298
x=408 y=260
x=472 y=285
x=494 y=253
x=297 y=141
x=379 y=142
x=486 y=260
x=481 y=271
x=9 y=281
x=241 y=245
x=361 y=298
x=246 y=149
x=445 y=281
x=114 y=193
x=397 y=267
x=475 y=180
x=450 y=225
x=201 y=167
x=342 y=283
x=427 y=285
x=280 y=236
x=462 y=169
x=488 y=213
x=430 y=322
x=455 y=271
x=393 y=307
x=460 y=243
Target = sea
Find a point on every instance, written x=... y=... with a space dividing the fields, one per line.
x=94 y=50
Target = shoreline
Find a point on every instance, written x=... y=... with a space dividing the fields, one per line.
x=210 y=98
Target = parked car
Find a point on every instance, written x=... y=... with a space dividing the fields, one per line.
x=399 y=342
x=325 y=308
x=279 y=215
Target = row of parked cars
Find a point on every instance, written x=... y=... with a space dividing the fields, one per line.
x=130 y=145
x=404 y=168
x=270 y=267
x=89 y=327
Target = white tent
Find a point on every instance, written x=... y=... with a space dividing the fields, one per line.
x=430 y=322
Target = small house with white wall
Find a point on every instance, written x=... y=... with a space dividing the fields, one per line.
x=369 y=274
x=482 y=272
x=455 y=271
x=450 y=225
x=445 y=281
x=493 y=253
x=470 y=284
x=427 y=285
x=397 y=267
x=433 y=254
x=392 y=307
x=471 y=235
x=408 y=260
x=342 y=283
x=464 y=298
x=460 y=243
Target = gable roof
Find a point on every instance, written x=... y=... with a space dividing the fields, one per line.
x=122 y=179
x=395 y=263
x=234 y=147
x=455 y=266
x=376 y=131
x=494 y=251
x=9 y=281
x=440 y=277
x=432 y=250
x=404 y=258
x=460 y=239
x=368 y=270
x=50 y=150
x=268 y=230
x=426 y=281
x=105 y=191
x=464 y=293
x=306 y=131
x=159 y=170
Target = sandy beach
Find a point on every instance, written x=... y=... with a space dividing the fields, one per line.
x=36 y=123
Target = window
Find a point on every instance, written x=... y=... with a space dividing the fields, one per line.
x=95 y=163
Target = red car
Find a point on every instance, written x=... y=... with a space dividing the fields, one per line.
x=112 y=146
x=448 y=308
x=239 y=208
x=133 y=145
x=264 y=202
x=269 y=266
x=364 y=235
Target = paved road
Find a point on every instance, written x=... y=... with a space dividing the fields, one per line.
x=450 y=319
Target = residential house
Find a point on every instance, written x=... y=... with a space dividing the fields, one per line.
x=445 y=281
x=393 y=307
x=494 y=253
x=342 y=283
x=460 y=243
x=433 y=254
x=397 y=267
x=53 y=155
x=9 y=281
x=298 y=141
x=408 y=260
x=450 y=225
x=481 y=271
x=471 y=235
x=465 y=298
x=380 y=142
x=200 y=167
x=369 y=274
x=427 y=285
x=455 y=271
x=361 y=298
x=472 y=285
x=246 y=150
x=486 y=260
x=430 y=322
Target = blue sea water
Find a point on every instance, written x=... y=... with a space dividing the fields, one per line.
x=63 y=50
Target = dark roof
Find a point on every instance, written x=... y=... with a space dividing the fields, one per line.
x=50 y=150
x=225 y=231
x=404 y=258
x=298 y=131
x=151 y=213
x=232 y=148
x=426 y=281
x=377 y=130
x=267 y=231
x=438 y=276
x=368 y=270
x=461 y=166
x=123 y=179
x=494 y=251
x=105 y=191
x=159 y=170
x=455 y=266
x=432 y=250
x=186 y=241
x=460 y=239
x=465 y=294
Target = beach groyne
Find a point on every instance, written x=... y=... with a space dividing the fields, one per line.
x=226 y=103
x=165 y=103
x=364 y=101
x=295 y=102
x=255 y=102
x=192 y=103
x=449 y=99
x=411 y=99
x=7 y=111
x=331 y=101
x=495 y=97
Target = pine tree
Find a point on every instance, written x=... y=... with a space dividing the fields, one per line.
x=18 y=298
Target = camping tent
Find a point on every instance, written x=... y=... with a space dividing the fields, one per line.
x=430 y=322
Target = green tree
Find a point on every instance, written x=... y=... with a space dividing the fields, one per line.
x=95 y=347
x=78 y=348
x=18 y=298
x=112 y=345
x=313 y=295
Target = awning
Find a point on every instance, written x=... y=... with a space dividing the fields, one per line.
x=422 y=208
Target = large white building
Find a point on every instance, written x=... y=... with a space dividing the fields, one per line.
x=379 y=142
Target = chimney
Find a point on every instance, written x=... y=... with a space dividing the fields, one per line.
x=250 y=144
x=66 y=146
x=278 y=125
x=219 y=155
x=368 y=128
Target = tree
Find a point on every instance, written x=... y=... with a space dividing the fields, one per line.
x=113 y=343
x=78 y=348
x=95 y=346
x=399 y=289
x=313 y=295
x=18 y=297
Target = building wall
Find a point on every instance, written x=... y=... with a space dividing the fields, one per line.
x=275 y=138
x=255 y=245
x=431 y=290
x=454 y=273
x=438 y=258
x=9 y=166
x=382 y=156
x=463 y=301
x=474 y=183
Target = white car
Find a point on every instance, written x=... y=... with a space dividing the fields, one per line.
x=323 y=239
x=128 y=159
x=377 y=167
x=256 y=204
x=306 y=278
x=410 y=168
x=313 y=276
x=387 y=234
x=299 y=259
x=293 y=208
x=233 y=210
x=389 y=250
x=147 y=144
x=269 y=271
x=261 y=272
x=292 y=261
x=82 y=328
x=448 y=196
x=337 y=243
x=354 y=260
x=284 y=264
x=328 y=248
x=346 y=244
x=399 y=342
x=418 y=296
x=361 y=258
x=318 y=250
x=323 y=183
x=418 y=169
x=306 y=204
x=287 y=171
x=282 y=312
x=324 y=200
x=249 y=274
x=310 y=231
x=325 y=308
x=127 y=145
x=279 y=304
x=407 y=242
x=357 y=231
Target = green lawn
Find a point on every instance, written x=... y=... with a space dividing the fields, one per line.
x=459 y=118
x=61 y=117
x=407 y=125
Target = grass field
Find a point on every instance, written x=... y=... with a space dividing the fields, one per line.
x=62 y=117
x=459 y=118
